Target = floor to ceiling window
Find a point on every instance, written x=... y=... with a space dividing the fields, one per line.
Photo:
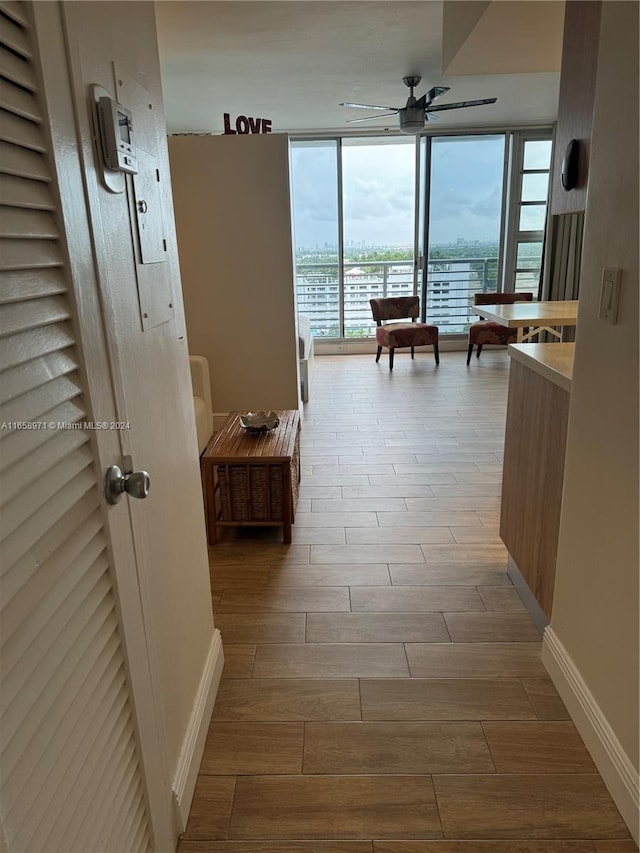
x=527 y=214
x=481 y=202
x=316 y=226
x=378 y=184
x=464 y=225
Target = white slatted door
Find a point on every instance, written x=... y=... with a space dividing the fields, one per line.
x=71 y=769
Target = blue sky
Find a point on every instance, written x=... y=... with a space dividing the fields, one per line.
x=378 y=183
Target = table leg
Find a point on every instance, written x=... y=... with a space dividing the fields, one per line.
x=287 y=504
x=530 y=333
x=536 y=333
x=210 y=504
x=520 y=335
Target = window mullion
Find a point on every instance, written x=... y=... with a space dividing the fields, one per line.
x=513 y=214
x=504 y=208
x=340 y=243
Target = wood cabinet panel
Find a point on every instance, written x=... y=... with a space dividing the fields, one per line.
x=536 y=436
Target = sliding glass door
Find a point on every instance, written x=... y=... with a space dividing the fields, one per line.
x=465 y=202
x=353 y=220
x=378 y=185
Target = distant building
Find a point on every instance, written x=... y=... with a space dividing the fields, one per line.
x=448 y=292
x=451 y=282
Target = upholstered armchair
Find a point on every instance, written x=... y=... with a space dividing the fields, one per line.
x=488 y=332
x=395 y=335
x=201 y=399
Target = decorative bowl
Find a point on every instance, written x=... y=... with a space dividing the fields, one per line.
x=259 y=421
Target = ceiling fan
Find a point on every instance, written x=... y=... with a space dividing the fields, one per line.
x=417 y=111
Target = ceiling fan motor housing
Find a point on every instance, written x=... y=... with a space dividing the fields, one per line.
x=412 y=120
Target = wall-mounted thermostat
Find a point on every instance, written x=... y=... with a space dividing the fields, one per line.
x=116 y=136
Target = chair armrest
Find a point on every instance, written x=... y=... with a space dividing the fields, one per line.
x=200 y=379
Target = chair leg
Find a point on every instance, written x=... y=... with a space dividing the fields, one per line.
x=391 y=359
x=378 y=354
x=469 y=353
x=413 y=352
x=479 y=350
x=436 y=353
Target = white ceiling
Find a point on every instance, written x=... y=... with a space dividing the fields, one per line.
x=294 y=61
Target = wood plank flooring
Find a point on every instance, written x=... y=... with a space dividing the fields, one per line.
x=383 y=690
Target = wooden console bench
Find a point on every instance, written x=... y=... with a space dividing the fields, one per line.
x=251 y=479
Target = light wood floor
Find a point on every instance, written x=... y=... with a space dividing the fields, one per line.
x=383 y=686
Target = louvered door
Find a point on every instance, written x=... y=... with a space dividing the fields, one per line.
x=71 y=776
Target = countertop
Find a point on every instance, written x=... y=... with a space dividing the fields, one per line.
x=553 y=361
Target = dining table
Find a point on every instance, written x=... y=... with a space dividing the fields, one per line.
x=532 y=318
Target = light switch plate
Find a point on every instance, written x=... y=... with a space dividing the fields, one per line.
x=610 y=295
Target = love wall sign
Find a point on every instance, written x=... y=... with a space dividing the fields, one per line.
x=246 y=124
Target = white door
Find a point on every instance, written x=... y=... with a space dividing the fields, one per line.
x=114 y=47
x=81 y=752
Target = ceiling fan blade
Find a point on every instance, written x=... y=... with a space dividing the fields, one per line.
x=368 y=106
x=430 y=117
x=462 y=104
x=429 y=97
x=371 y=118
x=434 y=93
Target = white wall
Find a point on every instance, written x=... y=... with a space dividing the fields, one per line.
x=232 y=208
x=595 y=612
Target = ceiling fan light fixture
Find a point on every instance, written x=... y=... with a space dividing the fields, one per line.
x=411 y=120
x=417 y=111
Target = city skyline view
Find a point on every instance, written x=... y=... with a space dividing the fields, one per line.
x=363 y=244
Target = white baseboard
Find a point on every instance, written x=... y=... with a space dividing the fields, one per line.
x=615 y=766
x=184 y=782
